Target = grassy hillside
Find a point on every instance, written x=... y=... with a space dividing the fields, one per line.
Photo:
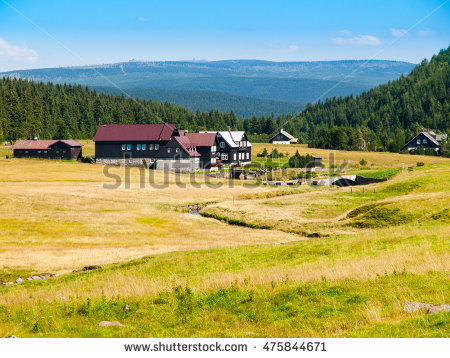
x=188 y=275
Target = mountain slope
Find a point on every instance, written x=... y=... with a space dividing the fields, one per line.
x=386 y=115
x=287 y=81
x=242 y=106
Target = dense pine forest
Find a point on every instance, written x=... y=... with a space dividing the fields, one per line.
x=383 y=117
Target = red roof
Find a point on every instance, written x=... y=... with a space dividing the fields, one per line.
x=42 y=144
x=134 y=132
x=71 y=142
x=202 y=139
x=187 y=146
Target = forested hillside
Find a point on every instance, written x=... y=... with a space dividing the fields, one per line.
x=384 y=116
x=243 y=106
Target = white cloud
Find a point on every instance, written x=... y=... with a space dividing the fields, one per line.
x=425 y=32
x=142 y=19
x=360 y=40
x=398 y=32
x=15 y=53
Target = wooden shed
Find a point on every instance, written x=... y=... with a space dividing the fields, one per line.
x=47 y=149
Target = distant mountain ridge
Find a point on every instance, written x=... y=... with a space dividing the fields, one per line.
x=280 y=81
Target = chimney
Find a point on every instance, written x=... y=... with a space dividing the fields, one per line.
x=229 y=129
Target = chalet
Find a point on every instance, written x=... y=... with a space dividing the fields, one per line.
x=425 y=139
x=131 y=144
x=163 y=146
x=48 y=149
x=283 y=137
x=234 y=148
x=179 y=154
x=206 y=144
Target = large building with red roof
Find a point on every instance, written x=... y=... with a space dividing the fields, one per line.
x=163 y=146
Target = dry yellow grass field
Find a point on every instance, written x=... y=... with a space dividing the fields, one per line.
x=56 y=216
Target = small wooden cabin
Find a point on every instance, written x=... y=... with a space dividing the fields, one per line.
x=47 y=149
x=283 y=137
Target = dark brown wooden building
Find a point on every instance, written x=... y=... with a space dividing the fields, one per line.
x=47 y=149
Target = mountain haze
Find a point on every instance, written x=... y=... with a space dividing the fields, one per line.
x=276 y=81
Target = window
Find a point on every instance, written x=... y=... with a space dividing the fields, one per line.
x=424 y=141
x=169 y=150
x=213 y=160
x=178 y=149
x=224 y=156
x=248 y=155
x=150 y=147
x=418 y=141
x=26 y=151
x=213 y=148
x=138 y=147
x=144 y=146
x=156 y=146
x=124 y=146
x=222 y=144
x=45 y=151
x=39 y=151
x=234 y=156
x=128 y=146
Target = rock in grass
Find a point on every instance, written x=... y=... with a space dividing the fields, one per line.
x=13 y=336
x=36 y=277
x=110 y=324
x=438 y=308
x=126 y=308
x=415 y=306
x=19 y=280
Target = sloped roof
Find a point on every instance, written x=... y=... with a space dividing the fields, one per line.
x=134 y=132
x=426 y=134
x=43 y=144
x=430 y=137
x=72 y=143
x=202 y=139
x=286 y=134
x=185 y=144
x=231 y=137
x=33 y=144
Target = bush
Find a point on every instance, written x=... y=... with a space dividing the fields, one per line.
x=363 y=162
x=420 y=164
x=301 y=161
x=263 y=154
x=86 y=160
x=275 y=154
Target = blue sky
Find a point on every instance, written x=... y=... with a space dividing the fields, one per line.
x=79 y=32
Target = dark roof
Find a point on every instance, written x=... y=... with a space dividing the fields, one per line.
x=134 y=132
x=42 y=144
x=202 y=139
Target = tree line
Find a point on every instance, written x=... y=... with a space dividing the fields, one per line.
x=382 y=118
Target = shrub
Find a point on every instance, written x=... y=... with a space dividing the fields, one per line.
x=301 y=161
x=363 y=162
x=420 y=164
x=263 y=154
